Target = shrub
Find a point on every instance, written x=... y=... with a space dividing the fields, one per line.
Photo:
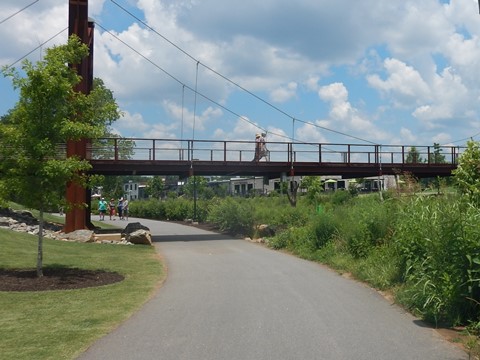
x=178 y=209
x=278 y=213
x=148 y=209
x=299 y=240
x=280 y=240
x=437 y=239
x=233 y=215
x=324 y=228
x=341 y=197
x=365 y=222
x=380 y=268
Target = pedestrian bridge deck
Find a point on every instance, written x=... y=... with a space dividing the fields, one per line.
x=126 y=156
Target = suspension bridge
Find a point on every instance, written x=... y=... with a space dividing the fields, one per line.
x=137 y=156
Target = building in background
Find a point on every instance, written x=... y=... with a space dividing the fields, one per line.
x=134 y=190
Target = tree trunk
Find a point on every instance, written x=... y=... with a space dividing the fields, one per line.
x=292 y=193
x=40 y=245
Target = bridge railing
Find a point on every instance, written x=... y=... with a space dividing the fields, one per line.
x=115 y=149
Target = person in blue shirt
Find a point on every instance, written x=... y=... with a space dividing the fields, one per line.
x=102 y=208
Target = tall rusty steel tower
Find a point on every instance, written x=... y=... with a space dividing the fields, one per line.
x=78 y=217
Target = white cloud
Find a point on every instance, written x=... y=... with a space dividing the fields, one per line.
x=284 y=93
x=310 y=133
x=335 y=93
x=346 y=119
x=442 y=138
x=160 y=131
x=131 y=123
x=407 y=137
x=404 y=85
x=312 y=83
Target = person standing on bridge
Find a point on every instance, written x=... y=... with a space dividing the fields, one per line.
x=260 y=148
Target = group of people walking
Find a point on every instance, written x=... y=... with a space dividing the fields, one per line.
x=119 y=208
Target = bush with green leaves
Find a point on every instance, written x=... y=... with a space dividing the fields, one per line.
x=148 y=209
x=278 y=213
x=324 y=227
x=380 y=268
x=281 y=240
x=178 y=209
x=300 y=240
x=233 y=215
x=438 y=241
x=365 y=222
x=341 y=197
x=467 y=173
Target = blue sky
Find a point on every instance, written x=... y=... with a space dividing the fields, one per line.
x=332 y=71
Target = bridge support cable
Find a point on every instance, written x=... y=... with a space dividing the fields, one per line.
x=195 y=102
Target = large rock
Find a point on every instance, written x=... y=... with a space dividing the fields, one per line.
x=84 y=236
x=265 y=230
x=140 y=236
x=132 y=227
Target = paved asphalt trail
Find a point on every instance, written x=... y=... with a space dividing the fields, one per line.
x=229 y=299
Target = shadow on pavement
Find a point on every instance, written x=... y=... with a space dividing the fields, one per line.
x=194 y=237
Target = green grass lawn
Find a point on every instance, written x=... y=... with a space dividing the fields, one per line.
x=62 y=324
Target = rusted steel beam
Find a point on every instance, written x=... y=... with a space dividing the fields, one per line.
x=78 y=217
x=268 y=169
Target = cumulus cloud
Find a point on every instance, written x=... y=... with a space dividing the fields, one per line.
x=189 y=120
x=346 y=119
x=284 y=93
x=131 y=123
x=404 y=85
x=310 y=133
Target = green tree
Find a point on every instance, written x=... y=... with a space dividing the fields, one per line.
x=155 y=187
x=437 y=157
x=313 y=185
x=195 y=184
x=413 y=156
x=49 y=113
x=467 y=173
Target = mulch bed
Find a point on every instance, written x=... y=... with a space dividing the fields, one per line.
x=55 y=278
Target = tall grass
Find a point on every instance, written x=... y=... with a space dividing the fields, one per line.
x=365 y=223
x=438 y=241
